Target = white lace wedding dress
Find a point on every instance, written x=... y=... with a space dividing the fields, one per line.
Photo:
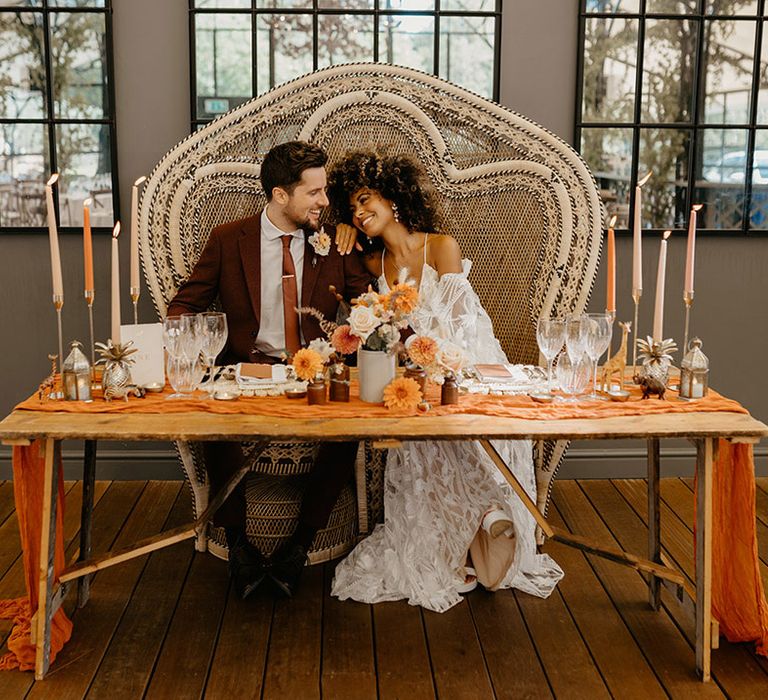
x=436 y=492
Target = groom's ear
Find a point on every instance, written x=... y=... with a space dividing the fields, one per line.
x=280 y=196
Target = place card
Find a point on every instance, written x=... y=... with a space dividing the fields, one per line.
x=148 y=366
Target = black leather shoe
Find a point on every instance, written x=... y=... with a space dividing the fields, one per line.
x=247 y=568
x=286 y=567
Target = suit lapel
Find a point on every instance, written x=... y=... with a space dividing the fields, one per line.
x=250 y=255
x=312 y=263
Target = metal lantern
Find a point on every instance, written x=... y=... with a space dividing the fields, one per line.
x=694 y=372
x=76 y=375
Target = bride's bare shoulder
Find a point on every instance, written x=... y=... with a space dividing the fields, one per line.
x=443 y=253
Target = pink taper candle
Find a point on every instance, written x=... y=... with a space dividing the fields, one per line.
x=87 y=247
x=661 y=274
x=610 y=294
x=690 y=255
x=637 y=247
x=135 y=279
x=53 y=240
x=115 y=285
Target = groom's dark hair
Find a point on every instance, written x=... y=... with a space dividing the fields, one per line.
x=284 y=164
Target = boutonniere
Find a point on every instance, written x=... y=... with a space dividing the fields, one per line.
x=321 y=243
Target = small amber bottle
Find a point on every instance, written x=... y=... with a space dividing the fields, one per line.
x=450 y=391
x=339 y=382
x=316 y=391
x=419 y=376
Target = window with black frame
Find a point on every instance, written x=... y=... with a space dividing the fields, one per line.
x=680 y=88
x=242 y=48
x=56 y=111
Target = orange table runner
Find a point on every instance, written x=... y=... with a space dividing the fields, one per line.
x=738 y=599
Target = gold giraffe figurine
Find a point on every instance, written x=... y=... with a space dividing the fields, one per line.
x=618 y=363
x=49 y=382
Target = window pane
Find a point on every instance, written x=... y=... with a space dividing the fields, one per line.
x=409 y=5
x=731 y=7
x=729 y=62
x=223 y=62
x=668 y=81
x=21 y=3
x=84 y=162
x=283 y=49
x=469 y=5
x=22 y=66
x=284 y=3
x=613 y=5
x=666 y=152
x=407 y=41
x=609 y=155
x=762 y=100
x=24 y=168
x=79 y=70
x=466 y=52
x=758 y=212
x=348 y=4
x=344 y=39
x=76 y=3
x=223 y=4
x=720 y=172
x=671 y=7
x=610 y=64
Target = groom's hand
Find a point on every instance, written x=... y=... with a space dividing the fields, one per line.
x=346 y=239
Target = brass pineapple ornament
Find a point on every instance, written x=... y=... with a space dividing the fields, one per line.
x=656 y=358
x=115 y=357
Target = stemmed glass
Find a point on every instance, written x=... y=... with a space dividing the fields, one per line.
x=575 y=336
x=572 y=375
x=181 y=375
x=172 y=327
x=213 y=325
x=550 y=335
x=598 y=331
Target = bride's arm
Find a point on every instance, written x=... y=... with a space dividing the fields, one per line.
x=444 y=254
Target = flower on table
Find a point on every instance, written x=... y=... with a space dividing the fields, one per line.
x=307 y=363
x=422 y=350
x=320 y=242
x=403 y=297
x=344 y=341
x=363 y=321
x=322 y=347
x=450 y=356
x=402 y=393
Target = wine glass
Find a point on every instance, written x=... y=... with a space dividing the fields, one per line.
x=575 y=336
x=572 y=375
x=550 y=335
x=172 y=326
x=191 y=340
x=598 y=331
x=213 y=325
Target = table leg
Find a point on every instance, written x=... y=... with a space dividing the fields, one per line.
x=47 y=546
x=654 y=519
x=86 y=517
x=705 y=457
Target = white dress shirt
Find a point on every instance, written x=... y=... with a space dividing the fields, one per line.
x=271 y=337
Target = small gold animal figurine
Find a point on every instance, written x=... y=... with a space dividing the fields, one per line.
x=49 y=382
x=618 y=363
x=122 y=392
x=650 y=385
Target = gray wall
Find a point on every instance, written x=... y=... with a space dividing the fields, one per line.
x=537 y=80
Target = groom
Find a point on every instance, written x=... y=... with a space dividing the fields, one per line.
x=261 y=269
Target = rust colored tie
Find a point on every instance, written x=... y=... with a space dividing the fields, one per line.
x=290 y=298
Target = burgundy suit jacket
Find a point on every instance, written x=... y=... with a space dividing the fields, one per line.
x=230 y=268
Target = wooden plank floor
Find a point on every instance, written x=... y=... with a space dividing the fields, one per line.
x=168 y=626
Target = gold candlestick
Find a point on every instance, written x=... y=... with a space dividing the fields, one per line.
x=612 y=316
x=58 y=303
x=89 y=297
x=135 y=299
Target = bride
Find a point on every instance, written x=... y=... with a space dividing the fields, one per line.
x=450 y=518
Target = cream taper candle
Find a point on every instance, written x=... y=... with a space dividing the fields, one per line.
x=115 y=285
x=135 y=279
x=53 y=239
x=661 y=274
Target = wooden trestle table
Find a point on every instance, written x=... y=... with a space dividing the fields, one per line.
x=703 y=429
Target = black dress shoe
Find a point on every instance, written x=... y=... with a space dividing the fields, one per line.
x=286 y=567
x=247 y=568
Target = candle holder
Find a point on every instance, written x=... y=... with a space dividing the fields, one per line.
x=612 y=316
x=135 y=292
x=688 y=299
x=58 y=303
x=636 y=295
x=89 y=297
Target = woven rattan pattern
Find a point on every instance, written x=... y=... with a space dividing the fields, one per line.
x=521 y=202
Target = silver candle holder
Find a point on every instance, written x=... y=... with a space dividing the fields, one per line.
x=58 y=304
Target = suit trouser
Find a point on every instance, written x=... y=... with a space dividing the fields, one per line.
x=333 y=468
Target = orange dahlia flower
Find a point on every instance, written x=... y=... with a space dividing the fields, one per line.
x=404 y=298
x=307 y=363
x=343 y=341
x=422 y=350
x=402 y=393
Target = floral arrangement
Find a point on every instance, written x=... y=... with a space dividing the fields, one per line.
x=437 y=357
x=377 y=319
x=307 y=363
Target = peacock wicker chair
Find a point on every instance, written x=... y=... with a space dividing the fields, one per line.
x=521 y=202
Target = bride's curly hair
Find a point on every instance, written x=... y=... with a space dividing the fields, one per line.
x=396 y=178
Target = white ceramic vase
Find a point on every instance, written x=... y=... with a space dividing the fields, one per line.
x=376 y=369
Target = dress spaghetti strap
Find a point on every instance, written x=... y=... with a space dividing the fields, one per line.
x=426 y=236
